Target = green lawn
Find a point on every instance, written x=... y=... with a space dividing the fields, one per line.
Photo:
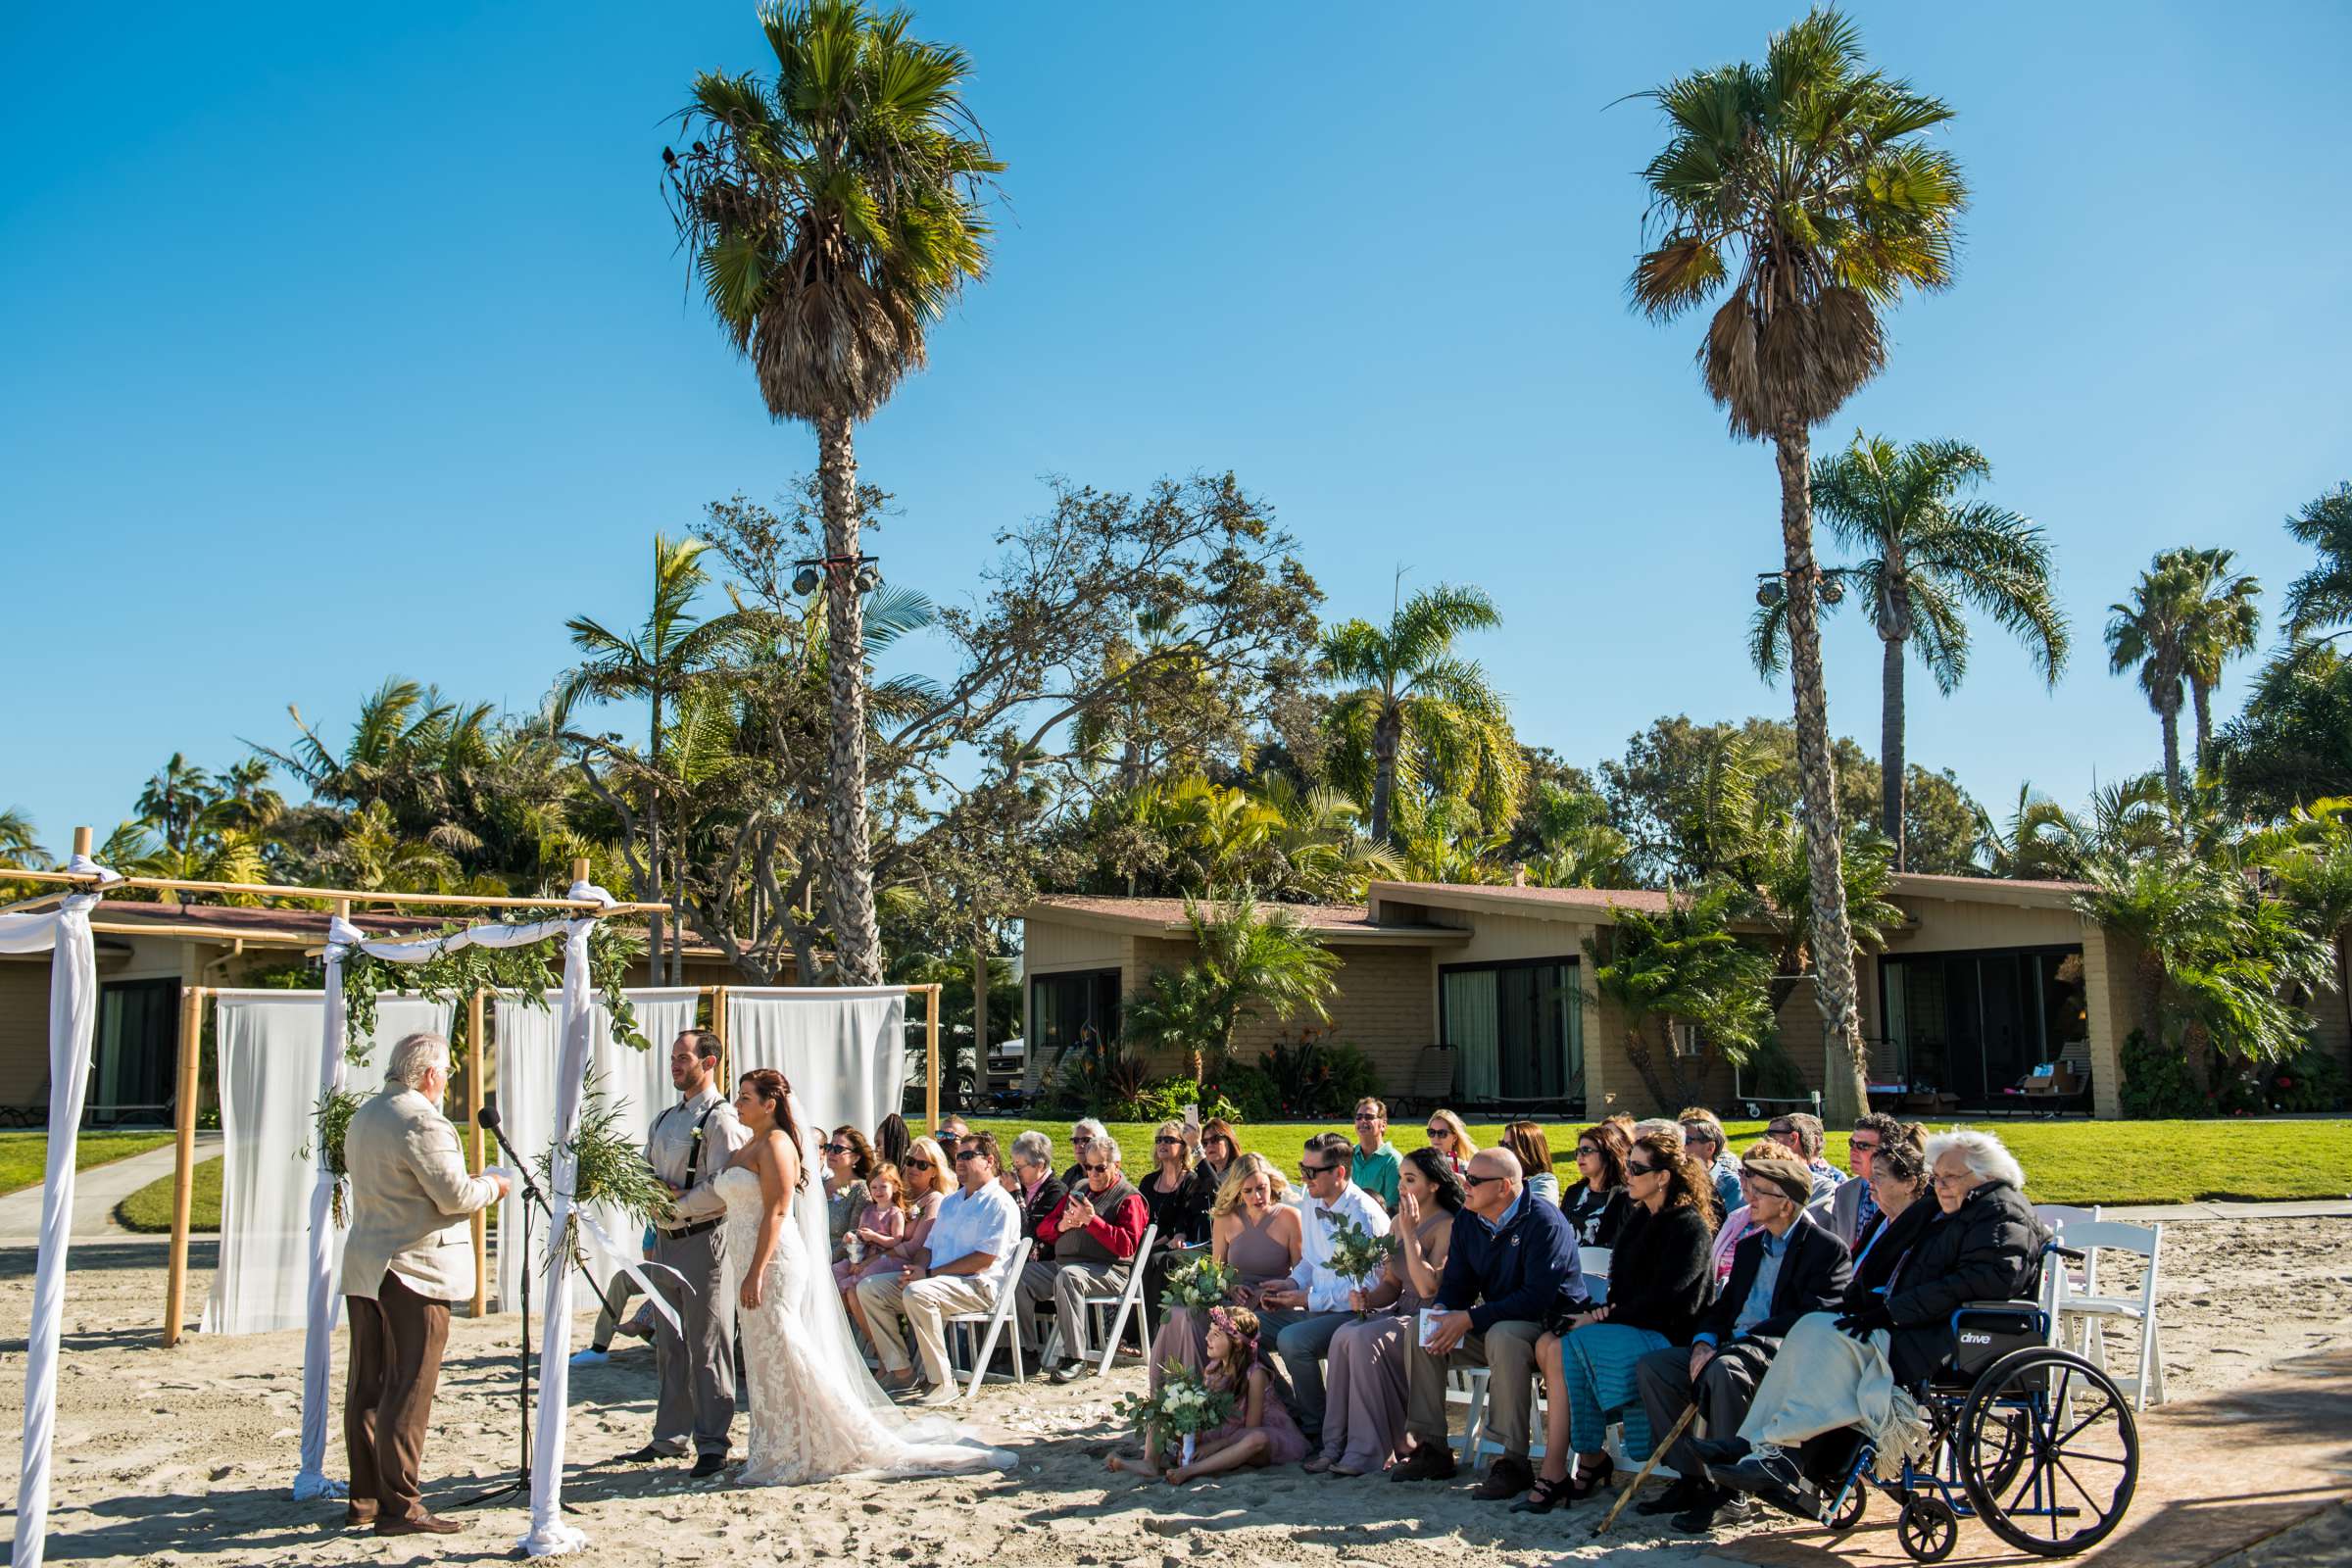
x=2079 y=1162
x=25 y=1155
x=2065 y=1163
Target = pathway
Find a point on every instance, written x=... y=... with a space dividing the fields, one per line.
x=96 y=1192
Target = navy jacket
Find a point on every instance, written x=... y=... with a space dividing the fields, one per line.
x=1814 y=1270
x=1515 y=1275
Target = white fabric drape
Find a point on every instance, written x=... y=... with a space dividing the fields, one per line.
x=269 y=1062
x=548 y=1534
x=634 y=1082
x=65 y=934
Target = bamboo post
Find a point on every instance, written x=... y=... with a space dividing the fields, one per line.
x=718 y=1027
x=183 y=1177
x=476 y=1068
x=931 y=1058
x=81 y=841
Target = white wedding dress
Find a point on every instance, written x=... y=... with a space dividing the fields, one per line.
x=815 y=1412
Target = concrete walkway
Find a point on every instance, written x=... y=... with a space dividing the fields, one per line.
x=96 y=1192
x=2225 y=1208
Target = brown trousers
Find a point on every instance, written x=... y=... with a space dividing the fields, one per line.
x=396 y=1344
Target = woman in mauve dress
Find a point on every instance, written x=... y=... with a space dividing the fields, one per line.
x=1363 y=1413
x=1256 y=1233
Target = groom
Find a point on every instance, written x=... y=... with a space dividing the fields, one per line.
x=690 y=1143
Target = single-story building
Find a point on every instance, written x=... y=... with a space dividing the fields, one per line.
x=1985 y=981
x=146 y=954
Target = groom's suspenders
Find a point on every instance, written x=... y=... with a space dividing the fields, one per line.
x=693 y=1170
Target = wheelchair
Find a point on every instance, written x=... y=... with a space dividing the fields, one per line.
x=2034 y=1441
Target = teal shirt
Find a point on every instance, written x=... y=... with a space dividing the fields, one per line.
x=1378 y=1173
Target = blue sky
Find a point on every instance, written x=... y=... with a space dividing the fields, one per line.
x=350 y=341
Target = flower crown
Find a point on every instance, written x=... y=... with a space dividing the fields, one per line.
x=1223 y=1319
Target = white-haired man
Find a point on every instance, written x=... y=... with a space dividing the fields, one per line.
x=1833 y=1373
x=1082 y=1138
x=410 y=1253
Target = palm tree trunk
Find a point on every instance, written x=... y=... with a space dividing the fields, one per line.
x=1891 y=744
x=1384 y=736
x=2168 y=714
x=657 y=927
x=1844 y=1093
x=856 y=937
x=2202 y=695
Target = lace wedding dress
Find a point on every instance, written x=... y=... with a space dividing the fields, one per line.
x=815 y=1412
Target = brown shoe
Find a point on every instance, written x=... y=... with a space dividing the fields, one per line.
x=1507 y=1477
x=356 y=1517
x=423 y=1524
x=1430 y=1461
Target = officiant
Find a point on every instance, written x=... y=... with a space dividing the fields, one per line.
x=691 y=1142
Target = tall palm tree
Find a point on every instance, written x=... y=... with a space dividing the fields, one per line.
x=2149 y=633
x=1805 y=188
x=2223 y=622
x=834 y=213
x=2322 y=598
x=1930 y=555
x=2034 y=845
x=655 y=663
x=1412 y=709
x=174 y=799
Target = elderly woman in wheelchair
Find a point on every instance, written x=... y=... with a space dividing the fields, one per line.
x=1943 y=1389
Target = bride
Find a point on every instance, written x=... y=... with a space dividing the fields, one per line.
x=815 y=1412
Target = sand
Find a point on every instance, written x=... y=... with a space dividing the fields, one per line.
x=187 y=1455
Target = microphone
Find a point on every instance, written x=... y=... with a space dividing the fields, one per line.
x=488 y=1119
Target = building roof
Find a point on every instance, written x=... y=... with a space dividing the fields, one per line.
x=2015 y=892
x=1590 y=901
x=1333 y=922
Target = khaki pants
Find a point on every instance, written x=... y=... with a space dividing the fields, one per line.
x=1508 y=1351
x=926 y=1304
x=396 y=1344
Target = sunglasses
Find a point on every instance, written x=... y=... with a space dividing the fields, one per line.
x=1440 y=1132
x=1311 y=1171
x=912 y=1163
x=1861 y=1147
x=1168 y=1142
x=963 y=1155
x=1479 y=1181
x=1587 y=1151
x=1780 y=1130
x=837 y=1148
x=1632 y=1169
x=1094 y=1170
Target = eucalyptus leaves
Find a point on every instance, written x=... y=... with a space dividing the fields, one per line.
x=526 y=973
x=331 y=1119
x=608 y=1169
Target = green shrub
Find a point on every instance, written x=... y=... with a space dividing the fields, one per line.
x=1096 y=1076
x=1253 y=1090
x=1310 y=1077
x=1164 y=1099
x=1351 y=1077
x=2157 y=1085
x=2312 y=1079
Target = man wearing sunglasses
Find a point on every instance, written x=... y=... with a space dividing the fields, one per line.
x=963 y=1267
x=1512 y=1264
x=1302 y=1312
x=1094 y=1233
x=1852 y=1213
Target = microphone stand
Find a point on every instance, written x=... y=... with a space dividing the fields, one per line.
x=521 y=1484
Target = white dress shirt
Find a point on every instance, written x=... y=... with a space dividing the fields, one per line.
x=1325 y=1291
x=670 y=1149
x=987 y=1220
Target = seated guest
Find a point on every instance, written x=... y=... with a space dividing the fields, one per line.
x=1526 y=1141
x=848 y=1162
x=1453 y=1142
x=1095 y=1231
x=1786 y=1267
x=1512 y=1265
x=1374 y=1160
x=1703 y=1136
x=1218 y=1149
x=1984 y=1245
x=965 y=1257
x=1259 y=1431
x=891 y=1140
x=1363 y=1412
x=1301 y=1313
x=1739 y=1222
x=880 y=1225
x=1804 y=1133
x=1082 y=1136
x=1036 y=1188
x=950 y=1131
x=1851 y=1212
x=1898 y=1185
x=1655 y=1124
x=928 y=1179
x=1252 y=1229
x=1178 y=1193
x=1597 y=1205
x=1657 y=1286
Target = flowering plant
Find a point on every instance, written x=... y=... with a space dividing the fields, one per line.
x=1203 y=1282
x=1357 y=1255
x=1184 y=1407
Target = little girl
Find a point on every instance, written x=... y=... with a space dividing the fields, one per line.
x=878 y=1227
x=1259 y=1432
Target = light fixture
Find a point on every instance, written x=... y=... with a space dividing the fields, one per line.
x=804 y=581
x=1831 y=590
x=868 y=578
x=863 y=571
x=1769 y=591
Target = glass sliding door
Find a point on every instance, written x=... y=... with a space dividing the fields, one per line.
x=1472 y=1029
x=1066 y=1011
x=1519 y=1028
x=1972 y=1024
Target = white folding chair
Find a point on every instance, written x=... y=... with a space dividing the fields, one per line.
x=1124 y=1303
x=1593 y=1262
x=995 y=1320
x=2088 y=1310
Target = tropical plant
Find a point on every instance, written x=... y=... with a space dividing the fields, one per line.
x=1805 y=189
x=2319 y=600
x=1682 y=965
x=833 y=213
x=174 y=799
x=1411 y=712
x=2033 y=844
x=1576 y=846
x=2223 y=621
x=2150 y=634
x=1930 y=555
x=2293 y=740
x=1250 y=960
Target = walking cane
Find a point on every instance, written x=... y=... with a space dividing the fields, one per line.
x=1648 y=1465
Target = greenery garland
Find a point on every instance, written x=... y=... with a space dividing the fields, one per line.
x=453 y=974
x=331 y=1119
x=609 y=1168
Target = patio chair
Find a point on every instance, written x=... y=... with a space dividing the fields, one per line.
x=963 y=1325
x=2088 y=1310
x=1593 y=1263
x=1433 y=1079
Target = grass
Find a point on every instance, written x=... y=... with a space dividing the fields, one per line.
x=25 y=1155
x=2081 y=1163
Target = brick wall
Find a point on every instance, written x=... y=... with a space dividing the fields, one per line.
x=1385 y=1006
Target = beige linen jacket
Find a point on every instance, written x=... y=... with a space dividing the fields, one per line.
x=409 y=1196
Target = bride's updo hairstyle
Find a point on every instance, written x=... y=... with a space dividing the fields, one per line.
x=769 y=1085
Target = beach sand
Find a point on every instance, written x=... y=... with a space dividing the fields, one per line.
x=188 y=1455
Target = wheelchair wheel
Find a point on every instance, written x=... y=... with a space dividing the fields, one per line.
x=1928 y=1529
x=1849 y=1513
x=2050 y=1451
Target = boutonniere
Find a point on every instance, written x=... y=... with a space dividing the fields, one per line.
x=695 y=1136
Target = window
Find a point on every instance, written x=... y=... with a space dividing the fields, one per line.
x=137 y=1045
x=1972 y=1024
x=1517 y=1028
x=1070 y=1010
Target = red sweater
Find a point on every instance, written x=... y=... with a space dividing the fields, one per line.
x=1110 y=1237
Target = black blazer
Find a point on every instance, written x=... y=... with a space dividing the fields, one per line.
x=1049 y=1194
x=1183 y=1214
x=1882 y=1257
x=1814 y=1272
x=1658 y=1273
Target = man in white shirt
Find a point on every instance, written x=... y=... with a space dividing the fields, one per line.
x=1304 y=1312
x=966 y=1260
x=690 y=1143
